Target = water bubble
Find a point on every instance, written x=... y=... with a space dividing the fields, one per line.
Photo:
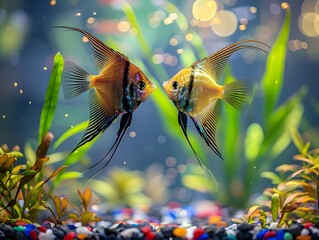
x=66 y=115
x=30 y=102
x=15 y=84
x=3 y=116
x=77 y=14
x=132 y=134
x=45 y=68
x=253 y=9
x=170 y=162
x=94 y=13
x=189 y=37
x=124 y=162
x=20 y=91
x=90 y=20
x=161 y=139
x=52 y=2
x=180 y=50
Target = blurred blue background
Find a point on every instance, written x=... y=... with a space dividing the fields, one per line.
x=28 y=43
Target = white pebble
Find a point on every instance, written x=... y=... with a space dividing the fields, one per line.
x=48 y=235
x=305 y=232
x=82 y=230
x=127 y=233
x=232 y=227
x=190 y=232
x=273 y=225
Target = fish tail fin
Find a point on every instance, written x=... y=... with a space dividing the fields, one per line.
x=76 y=80
x=237 y=94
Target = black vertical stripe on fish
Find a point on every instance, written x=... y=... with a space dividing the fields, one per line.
x=190 y=88
x=126 y=99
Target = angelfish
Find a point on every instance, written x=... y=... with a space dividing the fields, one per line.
x=196 y=93
x=118 y=89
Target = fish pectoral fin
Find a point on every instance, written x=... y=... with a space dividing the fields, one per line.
x=103 y=54
x=100 y=119
x=206 y=123
x=76 y=80
x=237 y=94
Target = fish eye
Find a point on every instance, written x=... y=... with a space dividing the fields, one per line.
x=175 y=85
x=141 y=85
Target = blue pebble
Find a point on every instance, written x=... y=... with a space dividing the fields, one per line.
x=30 y=226
x=280 y=234
x=261 y=234
x=71 y=226
x=172 y=214
x=204 y=236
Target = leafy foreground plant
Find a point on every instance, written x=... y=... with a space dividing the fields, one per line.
x=20 y=196
x=294 y=197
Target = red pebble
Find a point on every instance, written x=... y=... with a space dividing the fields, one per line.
x=146 y=230
x=150 y=236
x=42 y=229
x=198 y=232
x=308 y=225
x=269 y=234
x=33 y=235
x=69 y=236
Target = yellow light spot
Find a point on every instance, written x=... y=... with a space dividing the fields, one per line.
x=189 y=37
x=21 y=91
x=284 y=5
x=173 y=16
x=132 y=134
x=180 y=50
x=168 y=21
x=90 y=20
x=66 y=115
x=304 y=45
x=52 y=2
x=226 y=24
x=204 y=10
x=45 y=68
x=133 y=31
x=309 y=24
x=242 y=27
x=253 y=9
x=157 y=58
x=15 y=84
x=173 y=41
x=85 y=39
x=78 y=14
x=123 y=26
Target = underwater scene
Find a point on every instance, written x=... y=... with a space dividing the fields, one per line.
x=154 y=119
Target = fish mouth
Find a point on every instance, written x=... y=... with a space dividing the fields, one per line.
x=166 y=86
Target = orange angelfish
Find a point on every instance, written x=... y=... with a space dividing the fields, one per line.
x=117 y=89
x=196 y=93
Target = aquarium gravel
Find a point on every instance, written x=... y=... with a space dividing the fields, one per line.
x=155 y=228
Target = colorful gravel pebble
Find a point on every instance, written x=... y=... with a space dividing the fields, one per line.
x=151 y=228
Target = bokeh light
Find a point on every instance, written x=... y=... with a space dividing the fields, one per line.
x=204 y=10
x=224 y=23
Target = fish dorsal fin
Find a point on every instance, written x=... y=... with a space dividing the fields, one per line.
x=100 y=119
x=103 y=54
x=206 y=123
x=215 y=63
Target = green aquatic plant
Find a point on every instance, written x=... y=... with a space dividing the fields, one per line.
x=295 y=193
x=122 y=188
x=22 y=194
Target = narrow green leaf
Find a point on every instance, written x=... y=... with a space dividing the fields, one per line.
x=273 y=78
x=71 y=132
x=66 y=176
x=51 y=97
x=253 y=141
x=275 y=206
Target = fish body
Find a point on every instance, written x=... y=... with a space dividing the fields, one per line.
x=197 y=93
x=118 y=89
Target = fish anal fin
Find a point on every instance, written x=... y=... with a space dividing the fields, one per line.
x=100 y=119
x=237 y=94
x=206 y=123
x=76 y=80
